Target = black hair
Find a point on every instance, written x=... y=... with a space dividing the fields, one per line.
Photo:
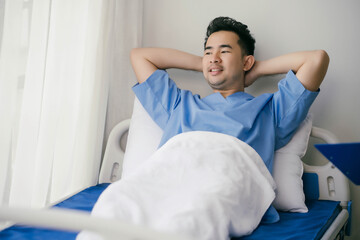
x=246 y=41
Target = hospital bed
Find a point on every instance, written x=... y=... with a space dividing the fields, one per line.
x=326 y=190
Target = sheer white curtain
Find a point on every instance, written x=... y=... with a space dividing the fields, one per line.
x=53 y=111
x=121 y=97
x=13 y=52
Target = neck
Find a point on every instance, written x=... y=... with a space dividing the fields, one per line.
x=226 y=93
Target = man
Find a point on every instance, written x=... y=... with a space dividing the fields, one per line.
x=229 y=66
x=266 y=122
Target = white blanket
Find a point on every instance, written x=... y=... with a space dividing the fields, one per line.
x=203 y=185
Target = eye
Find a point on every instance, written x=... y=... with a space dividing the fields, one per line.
x=207 y=53
x=225 y=51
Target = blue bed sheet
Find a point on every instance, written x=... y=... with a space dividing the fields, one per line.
x=311 y=225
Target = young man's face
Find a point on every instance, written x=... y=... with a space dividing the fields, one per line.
x=223 y=62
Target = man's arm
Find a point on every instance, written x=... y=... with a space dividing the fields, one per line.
x=310 y=68
x=145 y=61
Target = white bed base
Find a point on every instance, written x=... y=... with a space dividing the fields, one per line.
x=333 y=185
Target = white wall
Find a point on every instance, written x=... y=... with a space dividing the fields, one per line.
x=279 y=27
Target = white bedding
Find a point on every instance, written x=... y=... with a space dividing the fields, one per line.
x=203 y=185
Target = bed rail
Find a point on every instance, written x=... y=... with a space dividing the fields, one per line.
x=111 y=166
x=325 y=182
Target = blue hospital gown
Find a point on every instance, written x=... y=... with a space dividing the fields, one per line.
x=266 y=122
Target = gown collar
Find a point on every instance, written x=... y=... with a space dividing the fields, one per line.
x=238 y=98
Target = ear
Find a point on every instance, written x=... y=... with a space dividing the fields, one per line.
x=249 y=61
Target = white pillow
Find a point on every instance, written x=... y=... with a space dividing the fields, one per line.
x=145 y=135
x=288 y=170
x=143 y=138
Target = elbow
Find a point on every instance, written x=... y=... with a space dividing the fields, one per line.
x=321 y=62
x=137 y=55
x=140 y=54
x=134 y=53
x=322 y=58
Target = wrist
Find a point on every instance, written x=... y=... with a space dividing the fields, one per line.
x=198 y=64
x=258 y=69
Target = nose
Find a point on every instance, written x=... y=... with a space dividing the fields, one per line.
x=215 y=58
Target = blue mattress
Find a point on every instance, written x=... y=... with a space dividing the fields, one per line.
x=311 y=225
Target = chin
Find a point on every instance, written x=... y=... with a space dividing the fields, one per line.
x=218 y=85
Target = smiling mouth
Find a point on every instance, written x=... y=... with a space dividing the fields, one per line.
x=215 y=71
x=215 y=68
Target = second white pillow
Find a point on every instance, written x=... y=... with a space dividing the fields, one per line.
x=288 y=171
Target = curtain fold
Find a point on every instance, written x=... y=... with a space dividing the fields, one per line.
x=71 y=65
x=11 y=73
x=127 y=34
x=25 y=162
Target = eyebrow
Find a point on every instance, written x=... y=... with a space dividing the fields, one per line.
x=221 y=46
